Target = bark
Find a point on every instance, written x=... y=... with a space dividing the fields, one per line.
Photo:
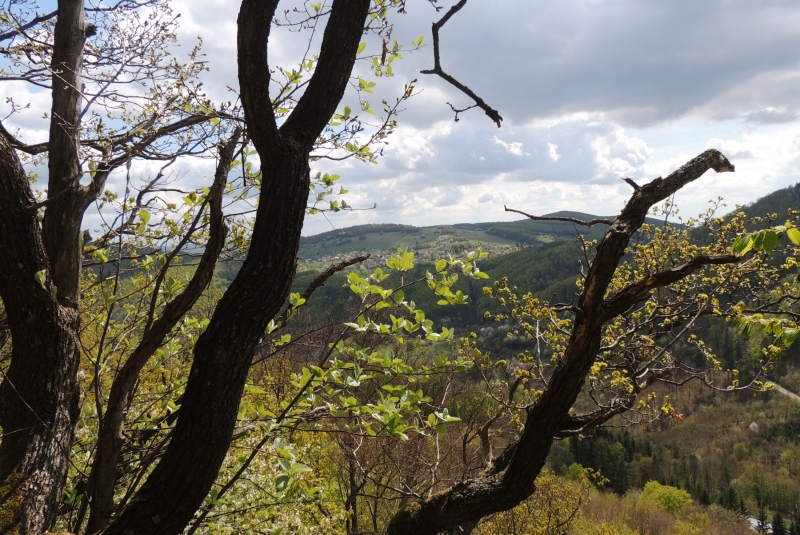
x=38 y=415
x=511 y=478
x=222 y=355
x=39 y=394
x=110 y=439
x=61 y=227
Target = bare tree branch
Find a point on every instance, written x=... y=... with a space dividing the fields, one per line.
x=493 y=114
x=319 y=280
x=38 y=148
x=565 y=219
x=512 y=476
x=28 y=25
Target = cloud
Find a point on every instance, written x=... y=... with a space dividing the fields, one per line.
x=591 y=91
x=514 y=147
x=734 y=150
x=619 y=155
x=553 y=152
x=457 y=172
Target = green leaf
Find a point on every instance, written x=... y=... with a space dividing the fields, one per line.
x=789 y=336
x=361 y=48
x=40 y=277
x=770 y=240
x=282 y=482
x=739 y=243
x=300 y=467
x=743 y=244
x=794 y=235
x=398 y=296
x=285 y=463
x=144 y=215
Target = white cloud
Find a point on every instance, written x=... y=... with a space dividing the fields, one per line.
x=620 y=155
x=731 y=148
x=514 y=147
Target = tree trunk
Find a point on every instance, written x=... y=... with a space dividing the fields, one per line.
x=39 y=394
x=67 y=199
x=222 y=357
x=39 y=398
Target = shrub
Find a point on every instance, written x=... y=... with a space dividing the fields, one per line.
x=670 y=499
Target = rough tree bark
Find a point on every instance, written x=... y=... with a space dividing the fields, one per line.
x=511 y=478
x=39 y=397
x=38 y=416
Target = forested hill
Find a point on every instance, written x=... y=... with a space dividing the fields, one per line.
x=526 y=227
x=543 y=257
x=433 y=242
x=778 y=202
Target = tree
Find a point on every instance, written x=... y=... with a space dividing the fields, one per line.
x=619 y=309
x=95 y=123
x=40 y=281
x=778 y=525
x=763 y=520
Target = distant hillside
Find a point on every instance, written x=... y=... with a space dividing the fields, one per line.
x=497 y=237
x=778 y=202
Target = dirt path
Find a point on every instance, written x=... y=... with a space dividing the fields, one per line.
x=783 y=391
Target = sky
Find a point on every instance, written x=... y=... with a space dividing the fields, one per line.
x=591 y=91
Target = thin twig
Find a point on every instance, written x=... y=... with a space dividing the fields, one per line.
x=565 y=219
x=493 y=114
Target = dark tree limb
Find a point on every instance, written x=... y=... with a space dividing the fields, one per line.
x=640 y=290
x=631 y=183
x=493 y=114
x=110 y=439
x=511 y=478
x=38 y=415
x=15 y=143
x=255 y=23
x=280 y=321
x=223 y=353
x=325 y=89
x=574 y=425
x=38 y=19
x=564 y=219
